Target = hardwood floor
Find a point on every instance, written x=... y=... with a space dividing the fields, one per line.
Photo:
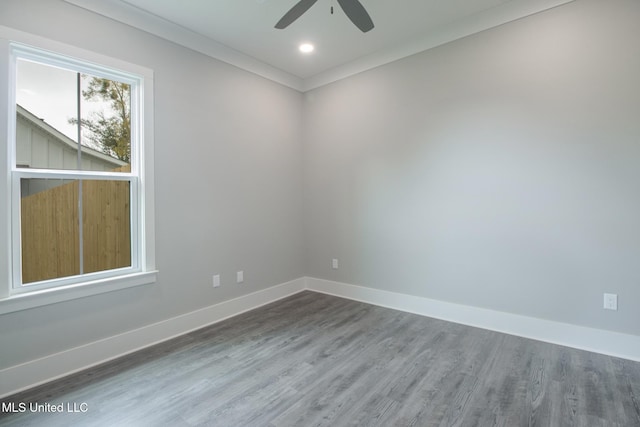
x=318 y=360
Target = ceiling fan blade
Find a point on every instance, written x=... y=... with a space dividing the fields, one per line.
x=357 y=13
x=294 y=13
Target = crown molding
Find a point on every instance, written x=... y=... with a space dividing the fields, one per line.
x=142 y=20
x=490 y=18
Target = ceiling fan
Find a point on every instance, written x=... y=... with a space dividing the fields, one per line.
x=352 y=8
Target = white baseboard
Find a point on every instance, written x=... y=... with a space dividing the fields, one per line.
x=35 y=372
x=30 y=374
x=596 y=340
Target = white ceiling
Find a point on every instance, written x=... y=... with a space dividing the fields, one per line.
x=241 y=32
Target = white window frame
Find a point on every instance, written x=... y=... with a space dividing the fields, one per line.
x=15 y=296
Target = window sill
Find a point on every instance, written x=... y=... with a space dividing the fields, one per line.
x=34 y=299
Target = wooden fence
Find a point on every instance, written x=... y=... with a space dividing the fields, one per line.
x=50 y=230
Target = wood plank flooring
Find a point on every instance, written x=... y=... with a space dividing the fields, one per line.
x=318 y=360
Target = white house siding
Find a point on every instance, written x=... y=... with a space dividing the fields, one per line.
x=38 y=145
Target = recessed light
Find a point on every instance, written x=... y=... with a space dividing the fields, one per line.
x=306 y=48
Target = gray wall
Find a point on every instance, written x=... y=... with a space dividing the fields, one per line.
x=500 y=171
x=228 y=182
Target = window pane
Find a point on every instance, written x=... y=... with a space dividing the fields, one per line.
x=106 y=225
x=50 y=227
x=47 y=120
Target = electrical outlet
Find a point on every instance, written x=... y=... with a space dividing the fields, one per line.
x=240 y=276
x=334 y=264
x=216 y=280
x=611 y=301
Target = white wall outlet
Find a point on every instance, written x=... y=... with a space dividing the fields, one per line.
x=611 y=301
x=216 y=280
x=240 y=276
x=334 y=263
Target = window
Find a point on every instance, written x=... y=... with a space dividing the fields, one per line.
x=80 y=174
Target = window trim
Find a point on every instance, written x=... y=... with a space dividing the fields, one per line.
x=30 y=296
